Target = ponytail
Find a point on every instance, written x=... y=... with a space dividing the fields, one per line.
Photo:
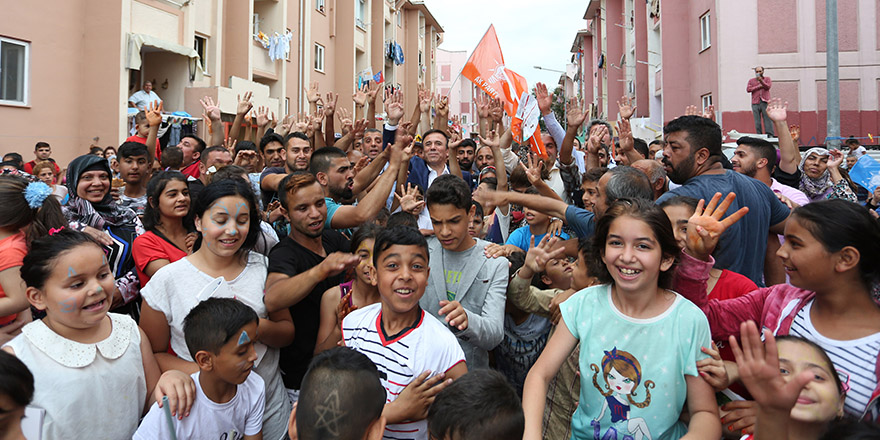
x=29 y=204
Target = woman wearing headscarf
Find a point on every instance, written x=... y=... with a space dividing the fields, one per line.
x=91 y=209
x=820 y=176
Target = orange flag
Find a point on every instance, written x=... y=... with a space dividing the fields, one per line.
x=486 y=69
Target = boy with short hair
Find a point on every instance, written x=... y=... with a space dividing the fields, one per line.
x=465 y=287
x=220 y=335
x=342 y=398
x=404 y=342
x=142 y=131
x=172 y=158
x=481 y=405
x=134 y=169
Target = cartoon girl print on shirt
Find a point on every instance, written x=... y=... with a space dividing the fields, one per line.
x=623 y=374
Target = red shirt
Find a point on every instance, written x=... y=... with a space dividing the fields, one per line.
x=142 y=140
x=760 y=90
x=191 y=170
x=12 y=252
x=731 y=285
x=149 y=247
x=29 y=167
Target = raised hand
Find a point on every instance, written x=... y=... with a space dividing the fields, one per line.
x=625 y=107
x=154 y=114
x=835 y=158
x=496 y=110
x=359 y=127
x=312 y=93
x=285 y=124
x=212 y=110
x=316 y=120
x=371 y=91
x=692 y=110
x=360 y=97
x=410 y=202
x=442 y=105
x=337 y=262
x=244 y=103
x=624 y=133
x=597 y=133
x=574 y=115
x=777 y=110
x=394 y=107
x=709 y=112
x=795 y=131
x=300 y=123
x=344 y=120
x=758 y=366
x=425 y=98
x=538 y=256
x=543 y=97
x=330 y=104
x=262 y=116
x=482 y=106
x=705 y=227
x=491 y=140
x=534 y=168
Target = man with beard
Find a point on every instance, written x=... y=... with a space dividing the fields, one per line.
x=756 y=158
x=467 y=152
x=692 y=159
x=302 y=266
x=334 y=172
x=297 y=154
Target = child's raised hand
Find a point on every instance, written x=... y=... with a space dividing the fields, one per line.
x=456 y=316
x=538 y=256
x=706 y=225
x=759 y=370
x=414 y=401
x=712 y=369
x=180 y=389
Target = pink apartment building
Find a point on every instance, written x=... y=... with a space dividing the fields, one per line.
x=670 y=54
x=67 y=75
x=459 y=89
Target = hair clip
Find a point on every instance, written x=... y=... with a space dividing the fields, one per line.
x=53 y=231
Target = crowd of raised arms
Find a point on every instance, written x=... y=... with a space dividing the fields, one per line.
x=397 y=280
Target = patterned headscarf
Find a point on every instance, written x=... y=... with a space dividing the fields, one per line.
x=814 y=188
x=96 y=215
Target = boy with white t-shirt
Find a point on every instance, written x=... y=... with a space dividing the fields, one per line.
x=406 y=344
x=220 y=334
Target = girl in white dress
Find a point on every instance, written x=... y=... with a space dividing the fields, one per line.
x=92 y=370
x=222 y=265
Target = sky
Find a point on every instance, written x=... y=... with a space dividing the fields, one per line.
x=531 y=33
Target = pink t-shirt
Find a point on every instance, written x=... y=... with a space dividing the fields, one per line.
x=149 y=247
x=12 y=252
x=794 y=194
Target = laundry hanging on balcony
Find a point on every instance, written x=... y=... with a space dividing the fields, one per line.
x=398 y=54
x=279 y=46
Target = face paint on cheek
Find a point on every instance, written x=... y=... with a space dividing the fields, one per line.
x=243 y=338
x=68 y=305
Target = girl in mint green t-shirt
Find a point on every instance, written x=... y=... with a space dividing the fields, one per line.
x=639 y=341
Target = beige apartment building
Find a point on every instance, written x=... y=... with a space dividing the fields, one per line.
x=65 y=76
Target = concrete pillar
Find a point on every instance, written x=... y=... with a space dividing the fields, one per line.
x=643 y=94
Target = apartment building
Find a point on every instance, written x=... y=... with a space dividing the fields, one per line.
x=67 y=75
x=460 y=90
x=671 y=54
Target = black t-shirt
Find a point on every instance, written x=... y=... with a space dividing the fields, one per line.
x=267 y=195
x=290 y=258
x=792 y=180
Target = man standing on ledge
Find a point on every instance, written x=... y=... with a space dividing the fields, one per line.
x=759 y=87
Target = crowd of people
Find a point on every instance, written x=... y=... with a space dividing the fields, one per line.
x=347 y=274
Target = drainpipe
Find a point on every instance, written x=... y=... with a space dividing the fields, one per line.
x=832 y=73
x=299 y=90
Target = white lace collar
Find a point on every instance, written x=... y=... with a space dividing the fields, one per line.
x=73 y=354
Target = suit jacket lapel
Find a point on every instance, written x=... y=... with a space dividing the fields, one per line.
x=438 y=277
x=469 y=274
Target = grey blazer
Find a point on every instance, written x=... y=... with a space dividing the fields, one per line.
x=482 y=293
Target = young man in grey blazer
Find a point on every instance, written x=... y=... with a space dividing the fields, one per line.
x=465 y=289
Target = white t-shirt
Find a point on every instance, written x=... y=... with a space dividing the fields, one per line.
x=427 y=346
x=174 y=290
x=210 y=420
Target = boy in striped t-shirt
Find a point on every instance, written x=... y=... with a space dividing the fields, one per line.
x=406 y=344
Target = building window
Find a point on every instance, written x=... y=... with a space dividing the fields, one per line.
x=319 y=5
x=705 y=34
x=319 y=57
x=399 y=18
x=706 y=100
x=14 y=71
x=201 y=47
x=360 y=11
x=445 y=72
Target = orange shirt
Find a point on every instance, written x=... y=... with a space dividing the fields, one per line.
x=12 y=252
